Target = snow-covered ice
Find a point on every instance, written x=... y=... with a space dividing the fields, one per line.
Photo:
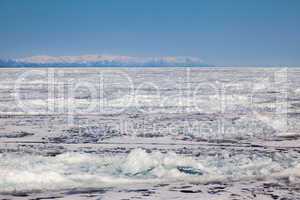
x=150 y=133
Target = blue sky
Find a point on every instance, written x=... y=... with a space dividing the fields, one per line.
x=221 y=32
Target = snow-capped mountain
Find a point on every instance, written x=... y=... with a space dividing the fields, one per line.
x=102 y=61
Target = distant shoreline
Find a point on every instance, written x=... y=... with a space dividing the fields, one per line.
x=141 y=67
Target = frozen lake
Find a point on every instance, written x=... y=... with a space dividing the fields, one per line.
x=150 y=133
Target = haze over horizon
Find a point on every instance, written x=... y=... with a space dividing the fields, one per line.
x=238 y=33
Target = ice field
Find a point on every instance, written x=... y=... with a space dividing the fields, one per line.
x=150 y=133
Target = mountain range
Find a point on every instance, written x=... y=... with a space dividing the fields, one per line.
x=102 y=61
